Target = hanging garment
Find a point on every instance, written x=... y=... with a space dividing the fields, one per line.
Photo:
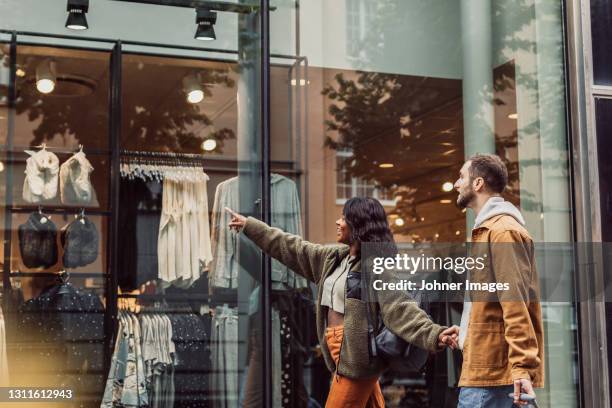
x=75 y=183
x=126 y=381
x=224 y=382
x=40 y=184
x=191 y=335
x=61 y=332
x=184 y=247
x=158 y=351
x=80 y=240
x=286 y=215
x=38 y=241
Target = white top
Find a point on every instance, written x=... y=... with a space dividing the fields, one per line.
x=334 y=287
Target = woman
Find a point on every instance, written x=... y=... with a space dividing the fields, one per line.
x=342 y=326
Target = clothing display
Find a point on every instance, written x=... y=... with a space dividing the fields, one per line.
x=61 y=332
x=224 y=382
x=41 y=175
x=126 y=383
x=38 y=241
x=80 y=240
x=191 y=334
x=75 y=183
x=4 y=371
x=184 y=247
x=286 y=215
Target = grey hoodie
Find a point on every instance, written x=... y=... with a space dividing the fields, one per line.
x=493 y=207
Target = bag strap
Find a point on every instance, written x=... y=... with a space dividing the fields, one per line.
x=365 y=296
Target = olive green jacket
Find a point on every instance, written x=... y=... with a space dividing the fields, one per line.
x=315 y=262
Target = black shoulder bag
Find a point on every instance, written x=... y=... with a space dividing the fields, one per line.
x=399 y=354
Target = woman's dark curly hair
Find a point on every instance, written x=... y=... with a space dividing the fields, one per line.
x=367 y=221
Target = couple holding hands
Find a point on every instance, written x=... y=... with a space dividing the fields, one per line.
x=502 y=342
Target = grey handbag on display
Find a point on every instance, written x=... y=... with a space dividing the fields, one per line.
x=401 y=355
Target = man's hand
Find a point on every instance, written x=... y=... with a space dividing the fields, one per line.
x=448 y=337
x=522 y=385
x=237 y=222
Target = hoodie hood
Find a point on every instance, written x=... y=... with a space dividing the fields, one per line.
x=498 y=206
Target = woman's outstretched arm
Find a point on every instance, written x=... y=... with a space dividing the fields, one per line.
x=303 y=257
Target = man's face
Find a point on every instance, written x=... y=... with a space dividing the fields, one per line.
x=463 y=186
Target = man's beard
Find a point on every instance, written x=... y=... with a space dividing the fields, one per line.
x=465 y=199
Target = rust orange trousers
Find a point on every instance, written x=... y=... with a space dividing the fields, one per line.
x=347 y=392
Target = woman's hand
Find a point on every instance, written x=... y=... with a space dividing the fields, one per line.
x=448 y=337
x=237 y=222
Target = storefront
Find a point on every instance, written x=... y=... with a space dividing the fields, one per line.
x=289 y=109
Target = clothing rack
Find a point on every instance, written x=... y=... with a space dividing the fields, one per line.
x=193 y=158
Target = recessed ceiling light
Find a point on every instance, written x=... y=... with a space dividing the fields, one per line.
x=513 y=116
x=386 y=165
x=447 y=186
x=45 y=77
x=451 y=151
x=399 y=222
x=445 y=201
x=20 y=72
x=437 y=235
x=209 y=145
x=457 y=232
x=193 y=88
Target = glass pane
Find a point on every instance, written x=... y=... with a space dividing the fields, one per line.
x=190 y=148
x=601 y=32
x=56 y=200
x=411 y=90
x=603 y=113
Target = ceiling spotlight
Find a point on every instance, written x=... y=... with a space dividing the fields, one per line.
x=205 y=19
x=399 y=222
x=445 y=201
x=193 y=88
x=448 y=186
x=46 y=77
x=386 y=165
x=209 y=145
x=20 y=72
x=513 y=116
x=457 y=232
x=76 y=14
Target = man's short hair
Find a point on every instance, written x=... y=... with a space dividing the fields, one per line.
x=492 y=169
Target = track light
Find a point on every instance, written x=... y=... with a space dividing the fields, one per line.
x=193 y=88
x=76 y=14
x=46 y=77
x=205 y=19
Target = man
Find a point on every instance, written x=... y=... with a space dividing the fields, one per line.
x=502 y=337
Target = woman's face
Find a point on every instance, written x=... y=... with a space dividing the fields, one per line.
x=342 y=231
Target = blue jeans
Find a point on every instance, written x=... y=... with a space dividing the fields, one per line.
x=486 y=397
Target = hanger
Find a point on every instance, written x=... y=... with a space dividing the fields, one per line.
x=63 y=277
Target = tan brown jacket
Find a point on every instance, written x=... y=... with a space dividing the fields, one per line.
x=315 y=262
x=505 y=339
